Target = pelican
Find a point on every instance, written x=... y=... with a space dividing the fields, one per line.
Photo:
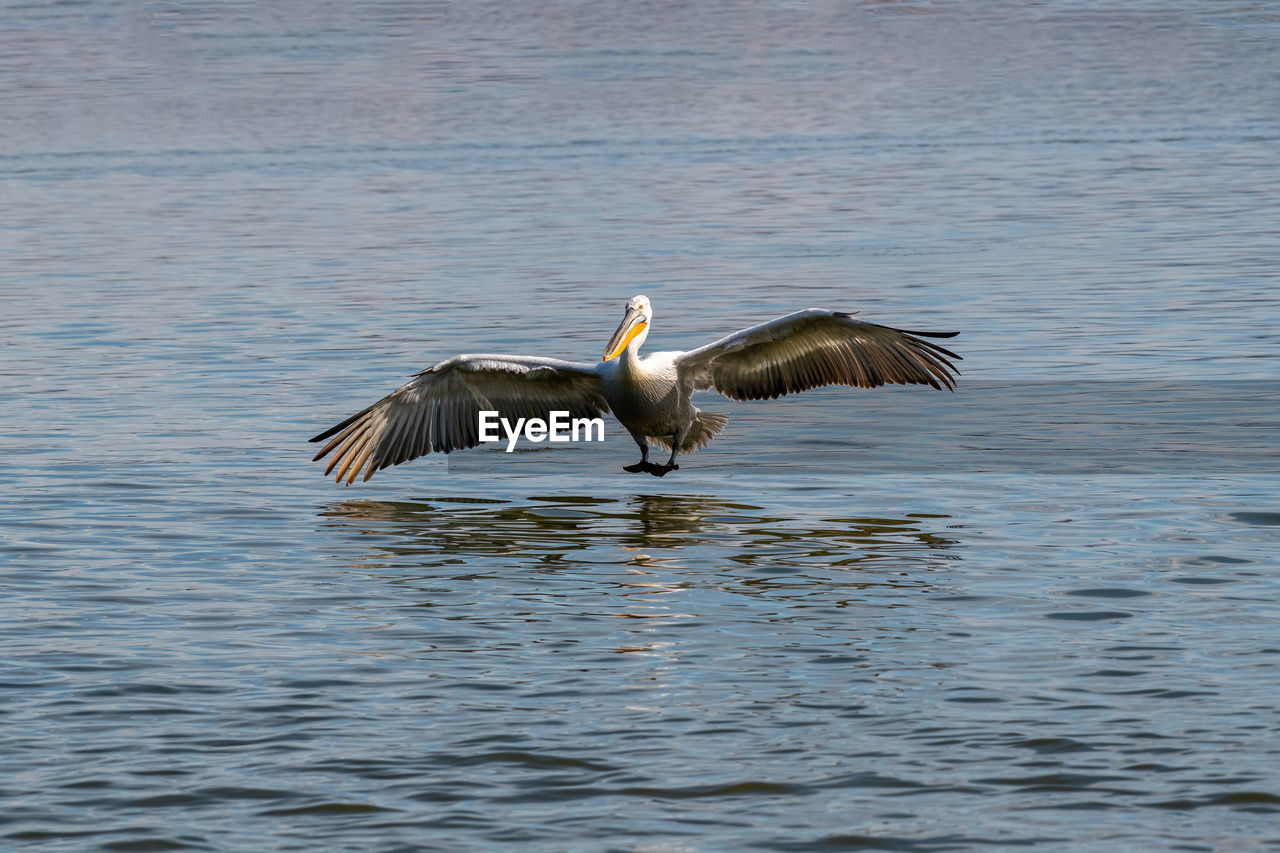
x=438 y=410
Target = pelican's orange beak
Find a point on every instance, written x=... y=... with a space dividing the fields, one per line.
x=632 y=325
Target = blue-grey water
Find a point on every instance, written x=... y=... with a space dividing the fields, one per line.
x=1041 y=611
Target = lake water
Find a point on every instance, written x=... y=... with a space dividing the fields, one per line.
x=1040 y=611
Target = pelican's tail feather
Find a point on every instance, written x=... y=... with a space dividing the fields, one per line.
x=705 y=427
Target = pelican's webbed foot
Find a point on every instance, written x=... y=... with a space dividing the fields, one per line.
x=647 y=467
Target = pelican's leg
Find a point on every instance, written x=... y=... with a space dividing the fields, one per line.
x=676 y=441
x=644 y=464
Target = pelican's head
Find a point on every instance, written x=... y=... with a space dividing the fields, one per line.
x=633 y=329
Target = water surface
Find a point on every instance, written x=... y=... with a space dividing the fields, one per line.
x=1041 y=611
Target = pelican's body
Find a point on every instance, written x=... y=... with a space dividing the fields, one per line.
x=644 y=393
x=646 y=396
x=651 y=396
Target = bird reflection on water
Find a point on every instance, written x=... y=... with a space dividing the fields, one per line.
x=639 y=533
x=663 y=580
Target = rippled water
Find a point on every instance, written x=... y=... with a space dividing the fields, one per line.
x=1041 y=611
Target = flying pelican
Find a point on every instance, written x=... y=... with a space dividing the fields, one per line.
x=438 y=410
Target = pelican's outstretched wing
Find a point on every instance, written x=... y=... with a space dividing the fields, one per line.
x=811 y=348
x=439 y=408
